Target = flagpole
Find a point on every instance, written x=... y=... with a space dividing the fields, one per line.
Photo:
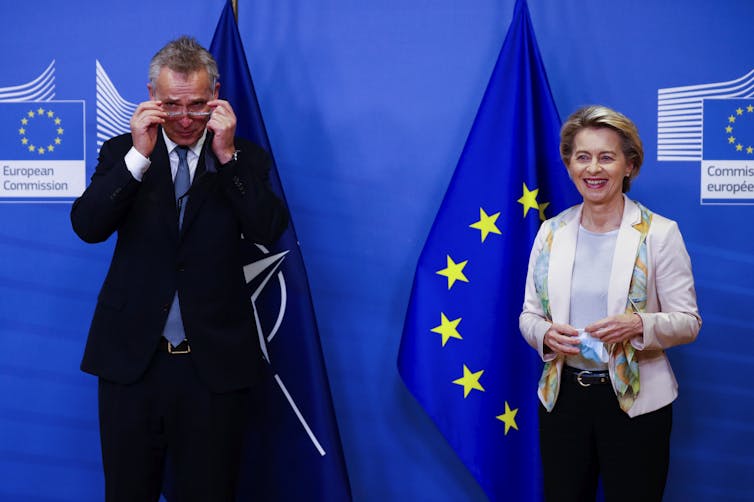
x=235 y=9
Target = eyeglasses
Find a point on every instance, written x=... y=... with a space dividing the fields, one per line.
x=192 y=111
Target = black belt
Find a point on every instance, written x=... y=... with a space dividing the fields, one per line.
x=586 y=378
x=181 y=348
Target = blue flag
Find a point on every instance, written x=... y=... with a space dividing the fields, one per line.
x=461 y=353
x=294 y=451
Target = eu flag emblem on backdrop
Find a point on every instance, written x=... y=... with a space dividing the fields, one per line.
x=295 y=451
x=728 y=130
x=42 y=130
x=461 y=353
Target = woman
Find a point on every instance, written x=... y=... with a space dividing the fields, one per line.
x=609 y=288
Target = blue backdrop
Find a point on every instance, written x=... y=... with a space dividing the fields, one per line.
x=368 y=106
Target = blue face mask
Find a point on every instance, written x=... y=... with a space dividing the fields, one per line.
x=592 y=348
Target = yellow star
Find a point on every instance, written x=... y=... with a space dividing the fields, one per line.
x=24 y=141
x=731 y=119
x=542 y=208
x=750 y=108
x=22 y=131
x=50 y=113
x=529 y=199
x=57 y=141
x=739 y=111
x=60 y=130
x=447 y=329
x=470 y=381
x=731 y=140
x=50 y=148
x=739 y=147
x=40 y=111
x=32 y=148
x=30 y=114
x=509 y=418
x=57 y=121
x=24 y=121
x=749 y=149
x=454 y=272
x=728 y=129
x=41 y=150
x=486 y=224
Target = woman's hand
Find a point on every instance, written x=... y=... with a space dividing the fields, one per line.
x=617 y=328
x=562 y=339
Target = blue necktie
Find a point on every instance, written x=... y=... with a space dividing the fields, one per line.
x=174 y=331
x=182 y=181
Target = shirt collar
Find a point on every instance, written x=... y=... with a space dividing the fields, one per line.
x=196 y=147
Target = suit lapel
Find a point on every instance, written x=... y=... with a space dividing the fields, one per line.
x=562 y=257
x=159 y=179
x=624 y=258
x=202 y=185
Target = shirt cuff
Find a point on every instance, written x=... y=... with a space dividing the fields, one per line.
x=137 y=164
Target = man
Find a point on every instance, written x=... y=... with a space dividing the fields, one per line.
x=173 y=340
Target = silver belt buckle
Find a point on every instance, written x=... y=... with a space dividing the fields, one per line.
x=578 y=378
x=172 y=350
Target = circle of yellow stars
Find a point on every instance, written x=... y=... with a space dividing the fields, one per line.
x=732 y=140
x=454 y=272
x=38 y=115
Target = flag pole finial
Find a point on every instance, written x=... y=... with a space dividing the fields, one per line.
x=235 y=9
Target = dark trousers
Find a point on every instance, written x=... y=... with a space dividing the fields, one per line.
x=588 y=436
x=170 y=414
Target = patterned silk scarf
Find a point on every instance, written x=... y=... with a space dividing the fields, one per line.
x=623 y=365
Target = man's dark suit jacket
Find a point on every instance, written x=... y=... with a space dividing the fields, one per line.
x=152 y=261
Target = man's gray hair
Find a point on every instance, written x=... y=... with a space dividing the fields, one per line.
x=184 y=55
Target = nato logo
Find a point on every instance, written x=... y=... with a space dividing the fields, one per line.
x=41 y=143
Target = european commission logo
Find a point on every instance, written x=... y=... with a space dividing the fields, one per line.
x=41 y=143
x=42 y=130
x=713 y=124
x=728 y=129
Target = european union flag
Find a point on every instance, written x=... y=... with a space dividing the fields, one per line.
x=728 y=129
x=461 y=354
x=41 y=130
x=295 y=451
